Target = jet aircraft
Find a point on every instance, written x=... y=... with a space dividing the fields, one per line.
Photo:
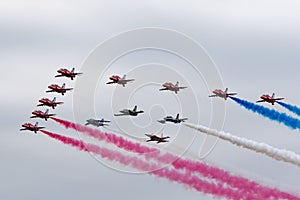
x=157 y=139
x=48 y=102
x=97 y=122
x=133 y=112
x=170 y=86
x=175 y=120
x=269 y=99
x=67 y=73
x=223 y=94
x=31 y=127
x=41 y=114
x=117 y=79
x=59 y=89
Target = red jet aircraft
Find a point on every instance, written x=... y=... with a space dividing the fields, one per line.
x=117 y=79
x=48 y=102
x=31 y=127
x=41 y=114
x=172 y=87
x=58 y=89
x=157 y=138
x=66 y=73
x=269 y=99
x=222 y=94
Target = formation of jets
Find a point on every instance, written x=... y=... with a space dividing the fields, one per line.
x=264 y=98
x=47 y=102
x=115 y=79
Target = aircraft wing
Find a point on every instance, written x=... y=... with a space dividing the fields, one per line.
x=277 y=99
x=148 y=135
x=184 y=119
x=182 y=87
x=69 y=89
x=162 y=121
x=164 y=88
x=162 y=141
x=213 y=95
x=110 y=82
x=260 y=101
x=59 y=75
x=232 y=94
x=121 y=114
x=128 y=80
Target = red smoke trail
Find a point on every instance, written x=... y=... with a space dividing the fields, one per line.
x=171 y=174
x=190 y=166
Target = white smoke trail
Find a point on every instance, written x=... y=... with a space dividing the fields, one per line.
x=273 y=152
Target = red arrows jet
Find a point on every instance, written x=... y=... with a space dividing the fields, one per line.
x=157 y=138
x=31 y=127
x=171 y=87
x=117 y=79
x=41 y=114
x=66 y=73
x=269 y=99
x=222 y=94
x=48 y=102
x=58 y=89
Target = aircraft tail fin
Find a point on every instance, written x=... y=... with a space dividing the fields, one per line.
x=73 y=69
x=63 y=85
x=226 y=90
x=36 y=123
x=273 y=95
x=135 y=108
x=54 y=99
x=124 y=76
x=177 y=83
x=47 y=111
x=177 y=116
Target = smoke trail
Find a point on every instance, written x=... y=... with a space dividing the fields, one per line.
x=185 y=178
x=291 y=108
x=278 y=154
x=272 y=114
x=185 y=164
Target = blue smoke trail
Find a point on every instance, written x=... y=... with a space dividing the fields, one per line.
x=272 y=114
x=291 y=108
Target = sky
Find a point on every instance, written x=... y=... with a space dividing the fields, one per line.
x=254 y=44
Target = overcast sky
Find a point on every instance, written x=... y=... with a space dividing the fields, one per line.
x=254 y=44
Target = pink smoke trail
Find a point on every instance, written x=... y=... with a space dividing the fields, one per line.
x=173 y=175
x=241 y=183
